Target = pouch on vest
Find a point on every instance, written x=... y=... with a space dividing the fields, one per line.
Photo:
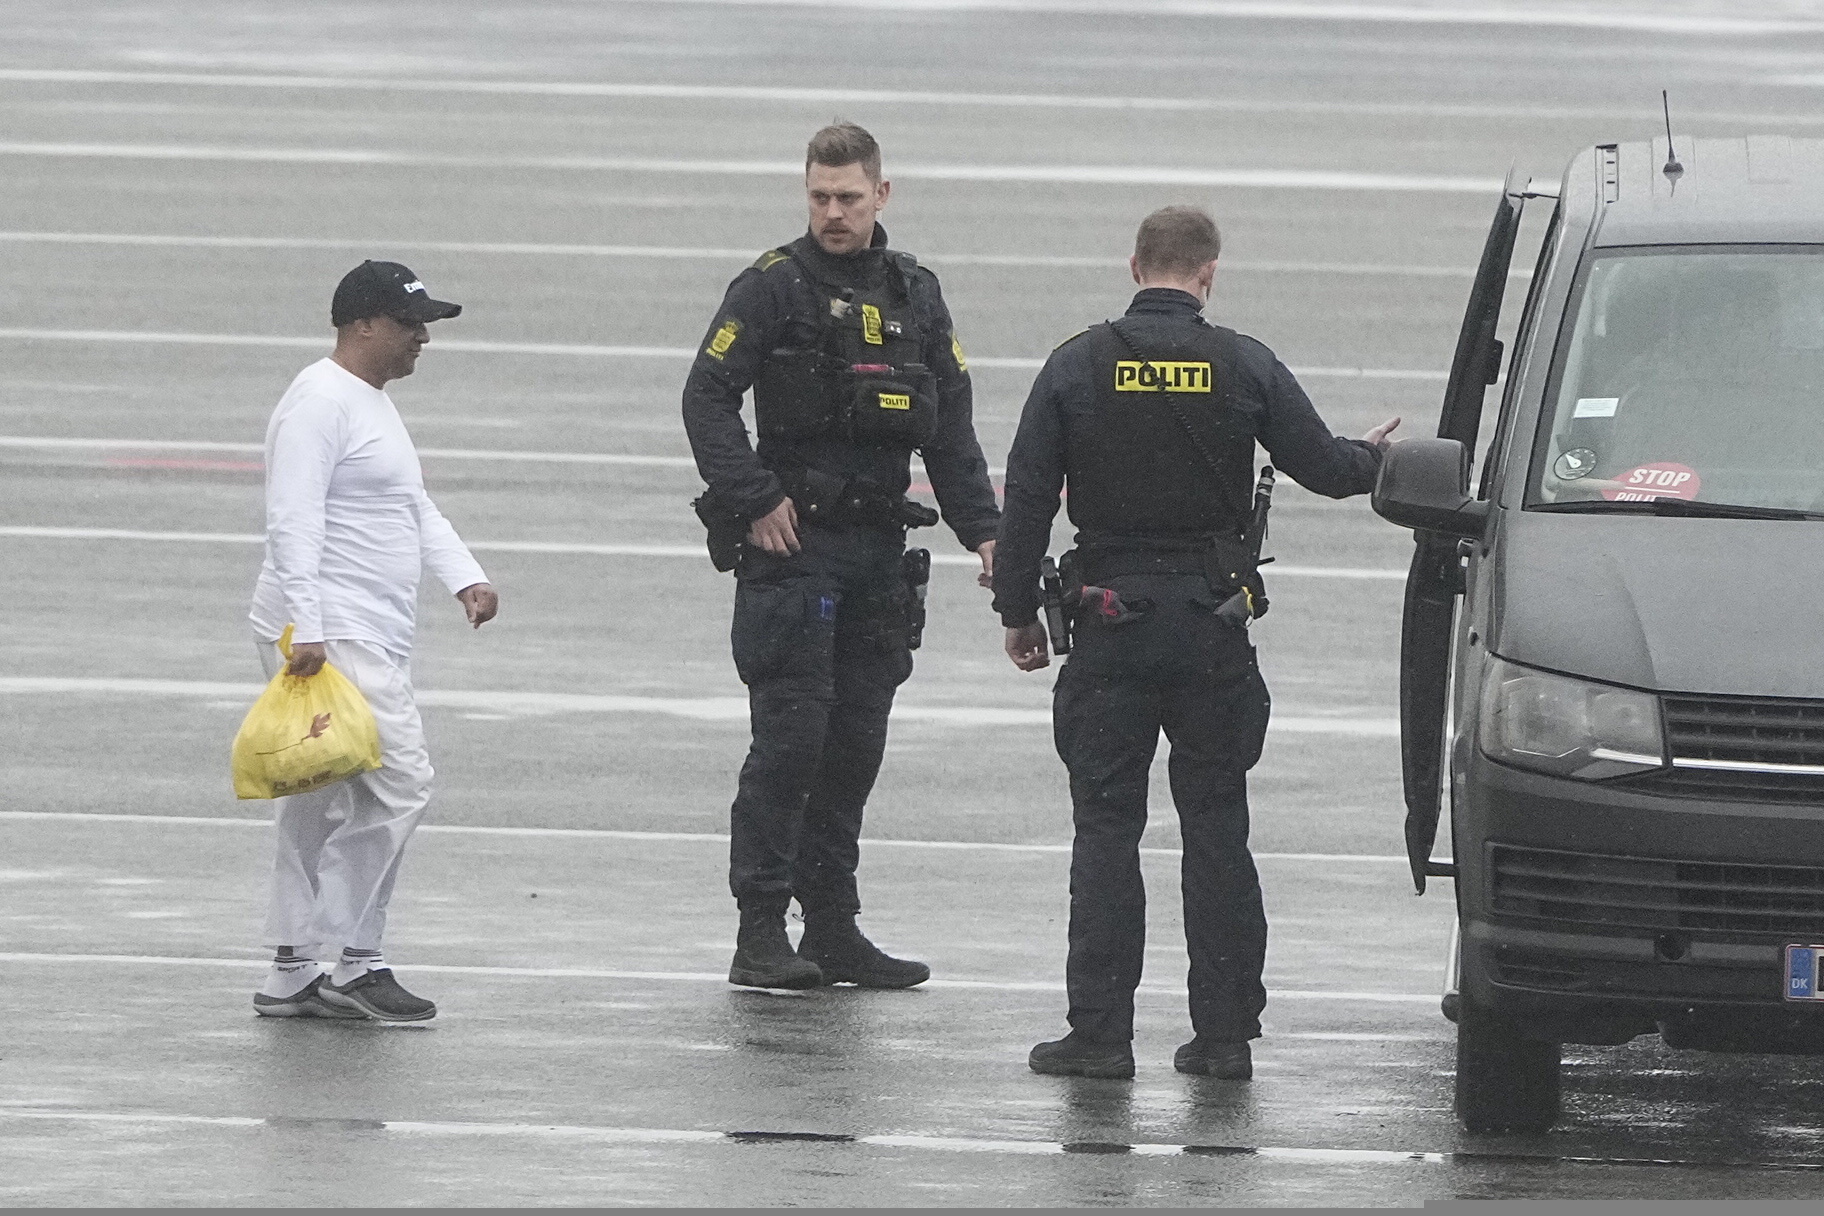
x=792 y=397
x=889 y=409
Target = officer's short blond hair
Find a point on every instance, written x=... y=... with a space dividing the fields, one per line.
x=844 y=143
x=1176 y=241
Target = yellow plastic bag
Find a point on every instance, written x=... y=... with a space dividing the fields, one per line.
x=305 y=732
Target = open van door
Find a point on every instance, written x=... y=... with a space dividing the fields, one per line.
x=1435 y=579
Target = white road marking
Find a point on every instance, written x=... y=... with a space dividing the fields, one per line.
x=789 y=95
x=678 y=253
x=1303 y=1154
x=702 y=709
x=582 y=350
x=1327 y=1036
x=28 y=532
x=716 y=838
x=53 y=443
x=1080 y=175
x=690 y=977
x=659 y=1135
x=1349 y=13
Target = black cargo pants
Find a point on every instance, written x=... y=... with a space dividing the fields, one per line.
x=820 y=640
x=1180 y=670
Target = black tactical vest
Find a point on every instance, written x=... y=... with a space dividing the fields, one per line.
x=853 y=368
x=1163 y=452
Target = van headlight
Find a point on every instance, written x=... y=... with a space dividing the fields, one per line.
x=1573 y=728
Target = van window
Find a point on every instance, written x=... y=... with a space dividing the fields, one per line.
x=1693 y=372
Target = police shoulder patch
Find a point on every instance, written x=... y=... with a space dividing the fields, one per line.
x=1066 y=342
x=771 y=258
x=723 y=339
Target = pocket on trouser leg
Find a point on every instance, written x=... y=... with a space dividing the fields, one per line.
x=1254 y=706
x=783 y=631
x=873 y=638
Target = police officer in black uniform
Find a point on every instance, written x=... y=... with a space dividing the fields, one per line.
x=855 y=365
x=1152 y=420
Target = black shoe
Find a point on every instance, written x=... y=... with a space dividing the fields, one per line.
x=377 y=994
x=764 y=957
x=1075 y=1056
x=846 y=956
x=1208 y=1058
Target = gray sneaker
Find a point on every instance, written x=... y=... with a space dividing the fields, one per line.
x=307 y=1002
x=377 y=994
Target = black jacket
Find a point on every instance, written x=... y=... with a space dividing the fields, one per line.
x=1260 y=399
x=760 y=302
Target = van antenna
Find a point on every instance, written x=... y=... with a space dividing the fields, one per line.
x=1673 y=169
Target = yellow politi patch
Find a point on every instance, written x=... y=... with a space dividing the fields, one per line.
x=725 y=338
x=956 y=348
x=1155 y=376
x=870 y=324
x=895 y=401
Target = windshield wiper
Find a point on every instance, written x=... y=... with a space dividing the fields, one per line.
x=1689 y=508
x=1725 y=510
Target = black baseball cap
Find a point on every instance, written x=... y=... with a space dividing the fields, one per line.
x=386 y=289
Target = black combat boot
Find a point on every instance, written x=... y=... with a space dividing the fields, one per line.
x=1207 y=1058
x=1076 y=1056
x=764 y=957
x=846 y=956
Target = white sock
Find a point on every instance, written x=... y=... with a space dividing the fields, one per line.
x=355 y=963
x=290 y=975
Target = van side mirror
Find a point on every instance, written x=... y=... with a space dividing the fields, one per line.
x=1424 y=484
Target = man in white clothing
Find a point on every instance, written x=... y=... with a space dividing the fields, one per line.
x=349 y=531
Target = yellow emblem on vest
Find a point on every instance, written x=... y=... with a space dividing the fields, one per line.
x=956 y=348
x=1156 y=376
x=725 y=338
x=870 y=324
x=895 y=401
x=770 y=259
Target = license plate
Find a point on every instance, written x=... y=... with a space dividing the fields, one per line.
x=1803 y=968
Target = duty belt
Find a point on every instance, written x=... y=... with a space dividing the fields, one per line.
x=826 y=498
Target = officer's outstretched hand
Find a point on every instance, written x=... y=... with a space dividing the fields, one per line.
x=985 y=551
x=1378 y=436
x=1028 y=647
x=777 y=530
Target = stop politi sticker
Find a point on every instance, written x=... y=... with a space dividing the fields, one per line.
x=1661 y=479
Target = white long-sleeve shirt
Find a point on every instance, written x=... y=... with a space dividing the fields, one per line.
x=349 y=528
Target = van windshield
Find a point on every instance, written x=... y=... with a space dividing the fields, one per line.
x=1693 y=373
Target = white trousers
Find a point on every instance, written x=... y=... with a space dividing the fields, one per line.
x=339 y=848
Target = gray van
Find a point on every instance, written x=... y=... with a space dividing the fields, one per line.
x=1612 y=654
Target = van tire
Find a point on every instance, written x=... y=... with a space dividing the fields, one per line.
x=1506 y=1082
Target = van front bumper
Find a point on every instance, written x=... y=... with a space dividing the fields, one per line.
x=1596 y=912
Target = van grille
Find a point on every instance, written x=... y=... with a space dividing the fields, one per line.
x=1751 y=729
x=1741 y=730
x=1658 y=894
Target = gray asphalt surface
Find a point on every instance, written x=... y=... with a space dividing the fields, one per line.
x=180 y=187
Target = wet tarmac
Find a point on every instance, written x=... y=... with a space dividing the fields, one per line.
x=181 y=186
